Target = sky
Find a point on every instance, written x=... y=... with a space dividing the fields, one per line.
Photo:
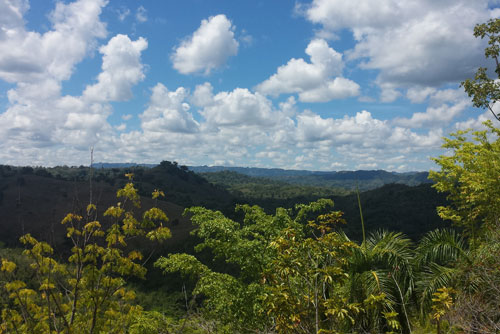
x=317 y=85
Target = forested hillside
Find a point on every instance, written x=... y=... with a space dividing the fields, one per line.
x=35 y=200
x=342 y=180
x=399 y=207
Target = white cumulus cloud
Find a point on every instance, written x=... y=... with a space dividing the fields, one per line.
x=445 y=106
x=208 y=48
x=37 y=115
x=317 y=81
x=168 y=112
x=239 y=107
x=422 y=43
x=121 y=69
x=28 y=56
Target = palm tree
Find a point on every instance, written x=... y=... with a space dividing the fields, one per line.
x=388 y=263
x=436 y=256
x=383 y=266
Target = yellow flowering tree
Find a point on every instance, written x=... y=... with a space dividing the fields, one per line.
x=86 y=293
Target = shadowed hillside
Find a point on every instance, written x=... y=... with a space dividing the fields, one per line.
x=394 y=207
x=34 y=200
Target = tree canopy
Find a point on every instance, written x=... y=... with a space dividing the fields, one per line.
x=484 y=90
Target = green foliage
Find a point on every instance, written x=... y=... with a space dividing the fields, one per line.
x=483 y=90
x=305 y=281
x=231 y=299
x=254 y=297
x=296 y=272
x=86 y=294
x=477 y=298
x=248 y=187
x=436 y=257
x=441 y=303
x=383 y=267
x=470 y=177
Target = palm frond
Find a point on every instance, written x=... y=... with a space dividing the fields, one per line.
x=432 y=277
x=441 y=246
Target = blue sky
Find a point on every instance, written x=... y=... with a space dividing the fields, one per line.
x=320 y=84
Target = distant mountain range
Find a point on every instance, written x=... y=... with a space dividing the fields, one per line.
x=121 y=165
x=278 y=172
x=349 y=180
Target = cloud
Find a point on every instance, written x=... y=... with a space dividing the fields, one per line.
x=239 y=107
x=317 y=81
x=203 y=95
x=360 y=129
x=37 y=115
x=388 y=92
x=239 y=126
x=234 y=125
x=141 y=15
x=168 y=112
x=208 y=48
x=418 y=94
x=27 y=56
x=121 y=127
x=41 y=125
x=338 y=88
x=367 y=166
x=433 y=116
x=288 y=107
x=123 y=13
x=416 y=42
x=360 y=132
x=476 y=123
x=246 y=38
x=445 y=105
x=11 y=15
x=121 y=69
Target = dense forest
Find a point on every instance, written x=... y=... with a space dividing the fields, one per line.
x=342 y=181
x=163 y=249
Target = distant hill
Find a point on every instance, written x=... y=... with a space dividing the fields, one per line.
x=121 y=165
x=252 y=171
x=364 y=179
x=338 y=180
x=251 y=188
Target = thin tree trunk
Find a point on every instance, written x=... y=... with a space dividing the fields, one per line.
x=316 y=304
